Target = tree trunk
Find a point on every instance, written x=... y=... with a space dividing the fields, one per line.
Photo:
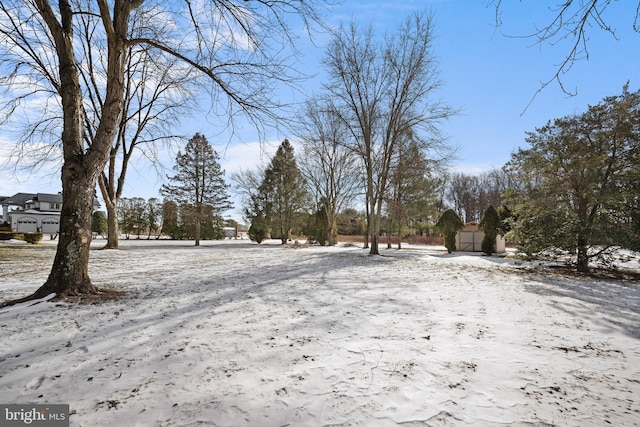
x=198 y=225
x=583 y=258
x=374 y=231
x=374 y=250
x=367 y=233
x=331 y=232
x=375 y=213
x=582 y=241
x=70 y=272
x=111 y=197
x=112 y=226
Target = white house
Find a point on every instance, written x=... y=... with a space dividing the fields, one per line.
x=28 y=212
x=33 y=212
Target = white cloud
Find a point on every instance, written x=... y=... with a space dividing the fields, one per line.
x=472 y=168
x=245 y=156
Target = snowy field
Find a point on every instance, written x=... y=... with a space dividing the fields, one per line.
x=233 y=333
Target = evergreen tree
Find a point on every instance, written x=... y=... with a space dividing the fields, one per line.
x=186 y=221
x=199 y=181
x=154 y=211
x=126 y=216
x=282 y=197
x=258 y=231
x=318 y=230
x=99 y=223
x=490 y=226
x=351 y=222
x=257 y=213
x=412 y=192
x=169 y=218
x=449 y=224
x=579 y=181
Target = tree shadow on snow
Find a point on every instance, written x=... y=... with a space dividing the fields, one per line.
x=611 y=304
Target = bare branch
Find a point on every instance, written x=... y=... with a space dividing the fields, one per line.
x=571 y=20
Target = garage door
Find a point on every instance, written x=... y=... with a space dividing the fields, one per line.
x=27 y=225
x=50 y=225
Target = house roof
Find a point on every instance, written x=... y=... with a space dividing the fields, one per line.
x=18 y=199
x=51 y=198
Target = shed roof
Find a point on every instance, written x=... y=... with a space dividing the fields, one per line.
x=471 y=226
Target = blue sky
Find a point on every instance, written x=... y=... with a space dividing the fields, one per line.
x=488 y=75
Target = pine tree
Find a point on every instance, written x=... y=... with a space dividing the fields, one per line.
x=578 y=183
x=449 y=224
x=170 y=218
x=283 y=193
x=490 y=226
x=99 y=223
x=318 y=230
x=199 y=181
x=411 y=189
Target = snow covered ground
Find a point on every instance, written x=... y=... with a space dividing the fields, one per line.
x=233 y=333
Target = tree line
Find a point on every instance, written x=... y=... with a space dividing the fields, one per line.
x=152 y=219
x=574 y=191
x=76 y=59
x=115 y=75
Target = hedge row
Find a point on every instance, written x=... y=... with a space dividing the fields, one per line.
x=32 y=238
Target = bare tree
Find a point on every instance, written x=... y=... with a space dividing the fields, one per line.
x=469 y=195
x=462 y=193
x=156 y=95
x=237 y=46
x=246 y=183
x=326 y=162
x=570 y=23
x=385 y=89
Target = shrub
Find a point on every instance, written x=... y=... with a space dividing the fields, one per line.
x=490 y=225
x=32 y=238
x=256 y=233
x=449 y=224
x=5 y=231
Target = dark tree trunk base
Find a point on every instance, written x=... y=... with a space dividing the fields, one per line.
x=90 y=295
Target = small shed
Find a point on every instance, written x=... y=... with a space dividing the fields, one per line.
x=470 y=239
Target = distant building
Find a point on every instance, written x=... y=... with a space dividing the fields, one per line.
x=29 y=212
